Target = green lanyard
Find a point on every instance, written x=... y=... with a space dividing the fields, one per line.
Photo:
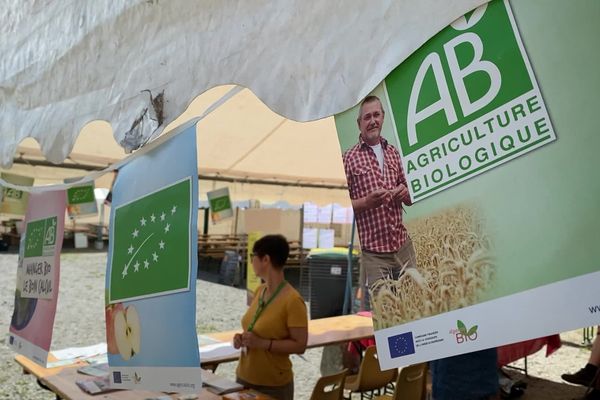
x=262 y=305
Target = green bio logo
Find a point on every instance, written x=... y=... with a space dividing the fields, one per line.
x=40 y=237
x=466 y=101
x=220 y=204
x=15 y=194
x=80 y=194
x=464 y=334
x=151 y=244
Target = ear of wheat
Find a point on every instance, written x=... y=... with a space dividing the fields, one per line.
x=455 y=266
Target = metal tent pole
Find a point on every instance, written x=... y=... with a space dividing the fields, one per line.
x=347 y=308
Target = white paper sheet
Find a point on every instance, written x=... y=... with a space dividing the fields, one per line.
x=326 y=238
x=223 y=349
x=340 y=214
x=324 y=216
x=309 y=238
x=79 y=352
x=310 y=212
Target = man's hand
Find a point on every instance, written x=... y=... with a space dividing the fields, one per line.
x=376 y=198
x=252 y=341
x=373 y=200
x=400 y=194
x=237 y=340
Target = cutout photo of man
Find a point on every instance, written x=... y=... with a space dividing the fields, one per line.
x=378 y=191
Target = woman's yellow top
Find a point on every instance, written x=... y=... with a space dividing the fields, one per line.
x=287 y=310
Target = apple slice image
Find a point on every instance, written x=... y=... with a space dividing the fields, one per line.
x=127 y=332
x=110 y=312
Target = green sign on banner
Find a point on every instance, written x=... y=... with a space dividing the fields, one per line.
x=40 y=237
x=81 y=199
x=11 y=193
x=80 y=194
x=151 y=253
x=466 y=101
x=14 y=201
x=220 y=204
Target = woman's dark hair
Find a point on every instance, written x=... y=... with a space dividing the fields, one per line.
x=275 y=246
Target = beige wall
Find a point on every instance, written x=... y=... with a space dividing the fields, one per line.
x=272 y=220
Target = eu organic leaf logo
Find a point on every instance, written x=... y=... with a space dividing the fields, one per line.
x=462 y=328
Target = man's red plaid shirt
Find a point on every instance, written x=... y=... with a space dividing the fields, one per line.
x=380 y=229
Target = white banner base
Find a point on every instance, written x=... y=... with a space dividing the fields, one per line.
x=28 y=349
x=164 y=379
x=557 y=307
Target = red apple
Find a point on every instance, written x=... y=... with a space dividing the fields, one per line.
x=110 y=312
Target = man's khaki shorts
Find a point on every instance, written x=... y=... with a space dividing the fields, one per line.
x=387 y=265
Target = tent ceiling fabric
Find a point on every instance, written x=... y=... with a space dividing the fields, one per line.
x=242 y=138
x=68 y=62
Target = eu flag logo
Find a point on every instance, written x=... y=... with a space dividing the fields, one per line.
x=401 y=345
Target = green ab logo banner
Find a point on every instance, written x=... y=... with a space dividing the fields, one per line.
x=151 y=253
x=13 y=201
x=81 y=194
x=467 y=101
x=10 y=193
x=36 y=272
x=40 y=237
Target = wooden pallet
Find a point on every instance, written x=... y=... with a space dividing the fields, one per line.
x=215 y=246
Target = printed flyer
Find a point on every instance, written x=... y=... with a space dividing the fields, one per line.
x=38 y=276
x=14 y=201
x=80 y=199
x=471 y=170
x=220 y=204
x=151 y=271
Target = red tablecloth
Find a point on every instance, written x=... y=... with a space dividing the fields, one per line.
x=516 y=351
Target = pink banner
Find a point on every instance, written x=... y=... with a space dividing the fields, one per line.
x=38 y=276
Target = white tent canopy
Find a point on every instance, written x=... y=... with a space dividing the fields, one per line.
x=138 y=64
x=242 y=138
x=241 y=141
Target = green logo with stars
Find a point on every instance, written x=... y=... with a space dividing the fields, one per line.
x=151 y=253
x=81 y=194
x=40 y=237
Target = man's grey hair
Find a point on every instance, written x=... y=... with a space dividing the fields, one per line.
x=369 y=99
